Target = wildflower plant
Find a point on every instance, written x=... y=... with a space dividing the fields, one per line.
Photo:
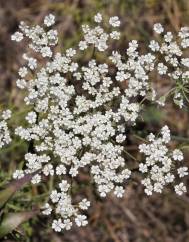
x=172 y=62
x=161 y=165
x=5 y=138
x=80 y=112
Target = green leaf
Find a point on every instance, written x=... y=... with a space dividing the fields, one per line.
x=14 y=186
x=13 y=220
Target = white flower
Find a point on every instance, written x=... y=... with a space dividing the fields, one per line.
x=120 y=138
x=48 y=170
x=119 y=191
x=57 y=225
x=32 y=63
x=158 y=187
x=180 y=189
x=21 y=83
x=182 y=171
x=168 y=37
x=169 y=178
x=47 y=209
x=115 y=35
x=154 y=46
x=148 y=190
x=98 y=18
x=46 y=51
x=18 y=174
x=64 y=186
x=83 y=45
x=185 y=62
x=177 y=155
x=73 y=171
x=67 y=224
x=70 y=52
x=80 y=220
x=151 y=137
x=31 y=117
x=17 y=36
x=158 y=28
x=36 y=179
x=162 y=69
x=6 y=114
x=49 y=20
x=84 y=204
x=23 y=71
x=121 y=76
x=61 y=170
x=114 y=21
x=4 y=130
x=143 y=168
x=165 y=134
x=55 y=196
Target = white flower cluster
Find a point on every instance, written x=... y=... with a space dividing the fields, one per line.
x=66 y=209
x=80 y=112
x=135 y=71
x=97 y=36
x=4 y=130
x=160 y=166
x=79 y=129
x=171 y=62
x=42 y=40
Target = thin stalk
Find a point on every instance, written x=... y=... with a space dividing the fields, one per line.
x=131 y=156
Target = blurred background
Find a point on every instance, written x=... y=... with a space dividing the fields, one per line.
x=135 y=218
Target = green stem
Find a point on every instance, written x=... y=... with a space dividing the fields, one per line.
x=140 y=138
x=131 y=156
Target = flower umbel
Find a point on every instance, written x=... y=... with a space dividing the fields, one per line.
x=159 y=166
x=71 y=129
